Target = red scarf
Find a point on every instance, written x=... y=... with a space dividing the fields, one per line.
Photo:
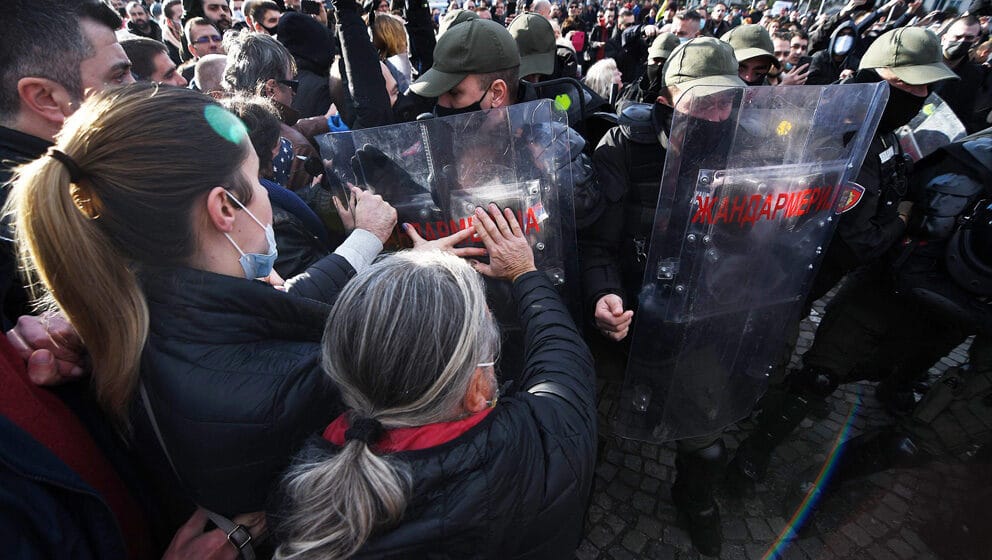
x=409 y=439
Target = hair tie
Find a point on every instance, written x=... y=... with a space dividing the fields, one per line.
x=75 y=173
x=364 y=429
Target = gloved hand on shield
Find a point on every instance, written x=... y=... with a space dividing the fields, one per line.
x=383 y=175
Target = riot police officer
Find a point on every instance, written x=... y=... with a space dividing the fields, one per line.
x=629 y=162
x=910 y=60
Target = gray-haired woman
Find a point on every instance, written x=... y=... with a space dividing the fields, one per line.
x=425 y=462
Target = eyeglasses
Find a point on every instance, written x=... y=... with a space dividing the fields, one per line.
x=209 y=39
x=291 y=84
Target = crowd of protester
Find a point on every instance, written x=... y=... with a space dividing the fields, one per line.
x=158 y=400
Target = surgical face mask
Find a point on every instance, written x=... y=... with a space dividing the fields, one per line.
x=957 y=49
x=843 y=45
x=256 y=265
x=450 y=112
x=683 y=40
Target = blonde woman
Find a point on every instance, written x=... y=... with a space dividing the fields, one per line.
x=605 y=79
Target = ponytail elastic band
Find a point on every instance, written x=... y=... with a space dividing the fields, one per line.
x=75 y=173
x=367 y=430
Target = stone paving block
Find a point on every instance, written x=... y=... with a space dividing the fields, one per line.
x=633 y=462
x=594 y=514
x=733 y=552
x=629 y=477
x=676 y=537
x=754 y=551
x=656 y=469
x=587 y=551
x=634 y=541
x=759 y=529
x=911 y=539
x=650 y=485
x=643 y=502
x=600 y=498
x=874 y=527
x=857 y=534
x=666 y=456
x=896 y=503
x=606 y=471
x=840 y=545
x=650 y=526
x=619 y=490
x=660 y=551
x=600 y=536
x=901 y=549
x=812 y=546
x=618 y=552
x=734 y=530
x=903 y=491
x=879 y=553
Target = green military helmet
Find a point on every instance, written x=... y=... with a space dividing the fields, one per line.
x=750 y=41
x=662 y=46
x=911 y=53
x=536 y=41
x=452 y=18
x=478 y=46
x=703 y=61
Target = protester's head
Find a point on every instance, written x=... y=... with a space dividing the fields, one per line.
x=209 y=73
x=258 y=64
x=262 y=16
x=754 y=51
x=138 y=16
x=412 y=344
x=143 y=177
x=54 y=54
x=603 y=77
x=306 y=39
x=719 y=12
x=698 y=75
x=476 y=66
x=389 y=35
x=203 y=38
x=798 y=47
x=261 y=118
x=625 y=18
x=150 y=62
x=217 y=12
x=960 y=37
x=783 y=47
x=687 y=25
x=535 y=38
x=542 y=8
x=172 y=12
x=910 y=60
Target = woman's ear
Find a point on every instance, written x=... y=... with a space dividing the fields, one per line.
x=220 y=211
x=481 y=392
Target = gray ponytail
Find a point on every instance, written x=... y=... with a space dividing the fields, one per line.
x=402 y=343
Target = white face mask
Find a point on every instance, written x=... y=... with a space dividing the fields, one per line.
x=843 y=45
x=256 y=265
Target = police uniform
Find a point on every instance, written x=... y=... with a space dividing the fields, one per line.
x=869 y=329
x=629 y=163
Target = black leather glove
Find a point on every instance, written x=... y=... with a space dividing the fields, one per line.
x=383 y=175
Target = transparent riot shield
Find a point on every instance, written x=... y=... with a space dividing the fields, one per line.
x=753 y=181
x=436 y=172
x=933 y=127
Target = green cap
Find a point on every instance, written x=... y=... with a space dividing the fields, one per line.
x=750 y=41
x=662 y=46
x=452 y=18
x=703 y=61
x=911 y=53
x=478 y=46
x=536 y=40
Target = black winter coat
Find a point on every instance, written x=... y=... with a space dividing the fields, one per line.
x=232 y=370
x=515 y=485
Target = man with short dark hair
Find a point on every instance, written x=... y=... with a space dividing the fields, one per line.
x=140 y=23
x=217 y=12
x=150 y=62
x=716 y=26
x=203 y=39
x=262 y=16
x=44 y=78
x=956 y=44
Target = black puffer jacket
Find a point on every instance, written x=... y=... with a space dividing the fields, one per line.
x=516 y=484
x=232 y=370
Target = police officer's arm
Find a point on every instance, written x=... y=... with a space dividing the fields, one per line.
x=870 y=228
x=600 y=243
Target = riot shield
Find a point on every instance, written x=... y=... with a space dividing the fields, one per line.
x=933 y=127
x=435 y=172
x=753 y=181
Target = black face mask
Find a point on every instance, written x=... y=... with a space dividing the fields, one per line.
x=270 y=30
x=957 y=49
x=653 y=77
x=900 y=109
x=760 y=81
x=450 y=111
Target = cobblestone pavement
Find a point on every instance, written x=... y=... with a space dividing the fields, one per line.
x=931 y=512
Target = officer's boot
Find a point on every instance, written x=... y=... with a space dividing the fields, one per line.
x=871 y=452
x=692 y=493
x=775 y=423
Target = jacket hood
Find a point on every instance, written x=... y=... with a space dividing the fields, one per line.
x=833 y=38
x=307 y=40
